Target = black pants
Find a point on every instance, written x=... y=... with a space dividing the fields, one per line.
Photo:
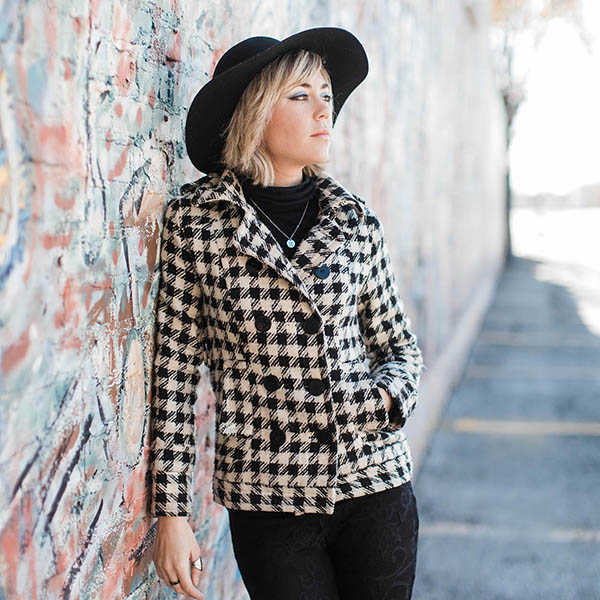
x=366 y=549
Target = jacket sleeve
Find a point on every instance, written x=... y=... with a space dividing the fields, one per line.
x=178 y=350
x=395 y=359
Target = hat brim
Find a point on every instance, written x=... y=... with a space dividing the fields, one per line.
x=214 y=104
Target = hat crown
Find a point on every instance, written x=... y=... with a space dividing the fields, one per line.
x=243 y=51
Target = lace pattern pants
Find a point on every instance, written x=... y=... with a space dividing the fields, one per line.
x=366 y=549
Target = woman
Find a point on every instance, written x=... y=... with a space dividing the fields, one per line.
x=280 y=281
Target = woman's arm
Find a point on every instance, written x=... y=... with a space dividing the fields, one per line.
x=178 y=351
x=395 y=359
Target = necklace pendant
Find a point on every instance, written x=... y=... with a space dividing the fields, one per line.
x=291 y=243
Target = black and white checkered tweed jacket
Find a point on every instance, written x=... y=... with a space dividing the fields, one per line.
x=295 y=348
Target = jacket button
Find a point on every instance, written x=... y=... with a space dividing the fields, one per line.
x=277 y=437
x=311 y=324
x=253 y=265
x=324 y=436
x=316 y=386
x=262 y=323
x=322 y=271
x=271 y=382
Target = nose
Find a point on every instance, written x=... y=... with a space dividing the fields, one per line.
x=324 y=109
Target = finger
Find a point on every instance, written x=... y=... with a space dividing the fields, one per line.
x=171 y=576
x=185 y=582
x=196 y=570
x=162 y=574
x=196 y=576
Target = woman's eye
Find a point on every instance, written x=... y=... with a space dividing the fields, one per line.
x=326 y=96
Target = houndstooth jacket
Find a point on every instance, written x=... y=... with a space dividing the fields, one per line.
x=295 y=348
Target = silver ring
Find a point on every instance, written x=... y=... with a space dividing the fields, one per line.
x=197 y=563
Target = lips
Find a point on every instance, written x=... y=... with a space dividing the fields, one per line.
x=321 y=133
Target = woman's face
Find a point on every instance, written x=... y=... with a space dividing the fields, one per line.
x=304 y=110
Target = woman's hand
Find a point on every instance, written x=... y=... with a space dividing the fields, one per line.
x=174 y=549
x=386 y=398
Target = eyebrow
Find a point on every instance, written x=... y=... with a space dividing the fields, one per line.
x=325 y=85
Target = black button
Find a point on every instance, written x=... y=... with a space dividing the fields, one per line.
x=324 y=436
x=277 y=437
x=311 y=324
x=322 y=271
x=271 y=382
x=253 y=265
x=316 y=386
x=262 y=322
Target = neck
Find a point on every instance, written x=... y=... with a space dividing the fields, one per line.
x=287 y=178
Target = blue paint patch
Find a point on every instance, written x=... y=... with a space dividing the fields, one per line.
x=16 y=253
x=37 y=78
x=8 y=24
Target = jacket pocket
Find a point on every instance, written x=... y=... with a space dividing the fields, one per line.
x=361 y=405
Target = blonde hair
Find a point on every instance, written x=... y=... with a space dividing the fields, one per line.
x=244 y=132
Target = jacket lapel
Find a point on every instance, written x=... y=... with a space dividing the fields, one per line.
x=254 y=238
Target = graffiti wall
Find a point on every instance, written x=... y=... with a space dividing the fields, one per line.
x=93 y=99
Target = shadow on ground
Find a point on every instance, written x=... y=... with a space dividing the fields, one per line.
x=509 y=491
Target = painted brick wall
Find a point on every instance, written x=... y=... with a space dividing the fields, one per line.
x=93 y=98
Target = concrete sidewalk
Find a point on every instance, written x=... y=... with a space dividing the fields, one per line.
x=509 y=489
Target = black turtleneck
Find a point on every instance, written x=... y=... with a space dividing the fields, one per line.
x=285 y=205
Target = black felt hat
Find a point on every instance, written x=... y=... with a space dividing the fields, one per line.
x=212 y=107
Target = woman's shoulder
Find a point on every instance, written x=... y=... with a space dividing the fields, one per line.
x=203 y=184
x=341 y=193
x=193 y=194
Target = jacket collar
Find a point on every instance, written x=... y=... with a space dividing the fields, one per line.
x=254 y=238
x=227 y=186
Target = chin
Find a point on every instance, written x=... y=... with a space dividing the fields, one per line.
x=320 y=158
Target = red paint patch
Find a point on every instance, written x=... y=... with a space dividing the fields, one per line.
x=56 y=135
x=64 y=202
x=118 y=110
x=174 y=54
x=101 y=309
x=15 y=353
x=118 y=168
x=70 y=342
x=52 y=241
x=125 y=70
x=146 y=294
x=126 y=313
x=69 y=311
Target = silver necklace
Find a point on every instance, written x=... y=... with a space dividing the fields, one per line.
x=290 y=242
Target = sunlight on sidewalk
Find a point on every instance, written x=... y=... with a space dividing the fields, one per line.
x=566 y=241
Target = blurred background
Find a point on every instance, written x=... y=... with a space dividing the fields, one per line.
x=475 y=138
x=508 y=480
